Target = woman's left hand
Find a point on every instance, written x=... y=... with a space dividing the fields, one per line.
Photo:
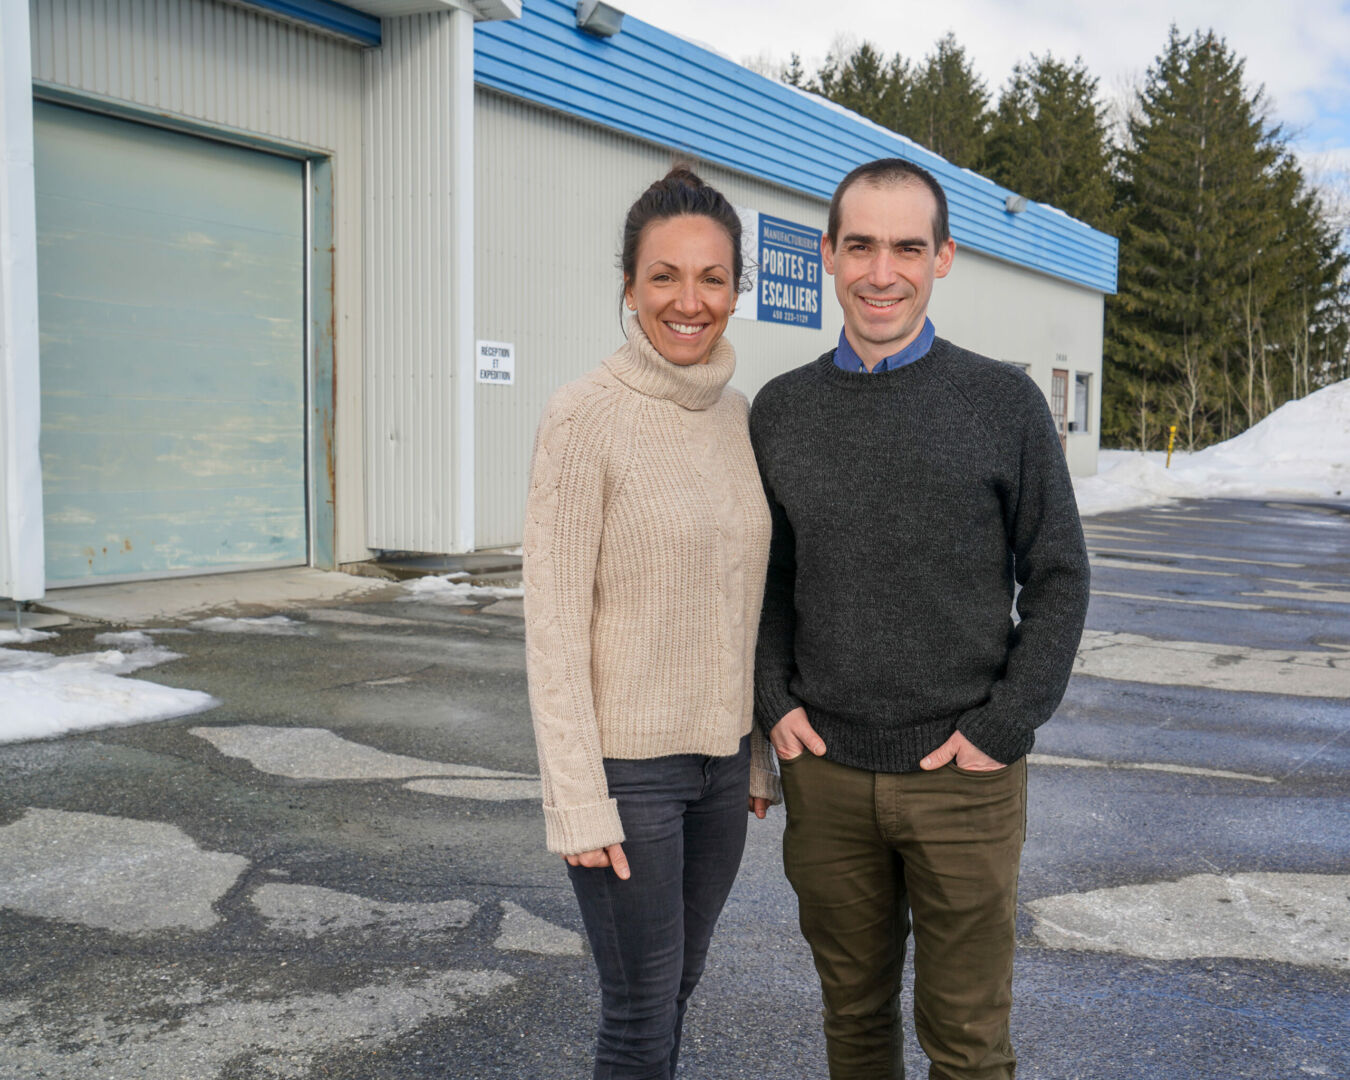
x=759 y=807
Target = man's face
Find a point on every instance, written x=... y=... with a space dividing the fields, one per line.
x=884 y=264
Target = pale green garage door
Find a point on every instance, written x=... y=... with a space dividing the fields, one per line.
x=171 y=308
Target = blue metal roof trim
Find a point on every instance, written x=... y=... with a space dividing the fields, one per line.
x=325 y=14
x=663 y=89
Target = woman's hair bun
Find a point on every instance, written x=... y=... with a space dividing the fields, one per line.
x=684 y=174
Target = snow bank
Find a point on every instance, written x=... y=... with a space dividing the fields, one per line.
x=1301 y=450
x=26 y=636
x=45 y=695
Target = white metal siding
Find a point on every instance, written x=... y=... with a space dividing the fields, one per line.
x=552 y=192
x=20 y=468
x=224 y=65
x=1011 y=313
x=409 y=333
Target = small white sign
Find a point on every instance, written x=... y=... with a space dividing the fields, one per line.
x=497 y=362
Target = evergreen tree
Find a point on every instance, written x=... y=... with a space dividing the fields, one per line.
x=794 y=74
x=1048 y=140
x=866 y=82
x=1232 y=291
x=1194 y=198
x=946 y=106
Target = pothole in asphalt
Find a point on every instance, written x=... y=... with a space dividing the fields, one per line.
x=113 y=873
x=319 y=754
x=524 y=932
x=312 y=910
x=1287 y=918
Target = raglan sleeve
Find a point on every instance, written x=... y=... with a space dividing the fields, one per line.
x=1050 y=563
x=774 y=656
x=563 y=517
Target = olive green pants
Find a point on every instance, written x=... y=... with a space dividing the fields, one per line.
x=866 y=851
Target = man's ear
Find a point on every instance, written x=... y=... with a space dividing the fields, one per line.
x=827 y=253
x=946 y=253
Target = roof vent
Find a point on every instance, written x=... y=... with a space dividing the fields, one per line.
x=1015 y=204
x=598 y=18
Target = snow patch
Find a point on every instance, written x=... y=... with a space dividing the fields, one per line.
x=48 y=695
x=279 y=625
x=452 y=589
x=26 y=636
x=1300 y=450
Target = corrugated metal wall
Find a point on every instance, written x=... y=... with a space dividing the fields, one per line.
x=655 y=85
x=409 y=388
x=551 y=195
x=228 y=66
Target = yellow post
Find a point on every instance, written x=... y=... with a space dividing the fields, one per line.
x=1171 y=439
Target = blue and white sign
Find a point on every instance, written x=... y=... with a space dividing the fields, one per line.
x=786 y=271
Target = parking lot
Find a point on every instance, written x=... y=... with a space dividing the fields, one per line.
x=339 y=871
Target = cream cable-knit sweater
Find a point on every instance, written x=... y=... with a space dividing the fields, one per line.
x=646 y=540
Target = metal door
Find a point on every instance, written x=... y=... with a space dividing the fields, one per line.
x=171 y=310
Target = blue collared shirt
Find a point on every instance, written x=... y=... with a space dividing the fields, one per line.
x=846 y=358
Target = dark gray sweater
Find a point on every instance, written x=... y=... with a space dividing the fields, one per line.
x=904 y=505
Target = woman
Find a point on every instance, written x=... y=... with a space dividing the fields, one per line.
x=646 y=539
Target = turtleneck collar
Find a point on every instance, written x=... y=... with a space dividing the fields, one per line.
x=639 y=366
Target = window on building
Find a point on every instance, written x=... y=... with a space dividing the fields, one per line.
x=1059 y=401
x=1082 y=400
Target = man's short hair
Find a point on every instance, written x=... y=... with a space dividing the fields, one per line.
x=886 y=172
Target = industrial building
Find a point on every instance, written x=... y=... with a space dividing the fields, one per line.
x=288 y=282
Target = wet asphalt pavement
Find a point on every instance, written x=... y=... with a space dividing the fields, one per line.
x=339 y=871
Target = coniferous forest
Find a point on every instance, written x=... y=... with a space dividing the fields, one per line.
x=1234 y=281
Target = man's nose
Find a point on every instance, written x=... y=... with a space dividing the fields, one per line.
x=881 y=272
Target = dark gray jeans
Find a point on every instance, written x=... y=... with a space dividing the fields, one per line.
x=684 y=819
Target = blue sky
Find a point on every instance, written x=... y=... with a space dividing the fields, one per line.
x=1300 y=51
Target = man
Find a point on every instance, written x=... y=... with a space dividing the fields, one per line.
x=911 y=483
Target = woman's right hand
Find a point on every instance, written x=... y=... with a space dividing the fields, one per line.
x=605 y=856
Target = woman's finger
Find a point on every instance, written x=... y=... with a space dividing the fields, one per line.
x=618 y=860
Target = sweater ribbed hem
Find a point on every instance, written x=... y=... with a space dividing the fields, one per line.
x=574 y=829
x=877 y=748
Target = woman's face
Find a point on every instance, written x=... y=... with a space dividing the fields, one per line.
x=683 y=290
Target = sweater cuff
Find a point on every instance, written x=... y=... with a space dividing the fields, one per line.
x=574 y=829
x=996 y=737
x=765 y=785
x=772 y=703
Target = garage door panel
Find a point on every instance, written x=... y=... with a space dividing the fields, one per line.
x=218 y=369
x=144 y=465
x=171 y=310
x=149 y=169
x=191 y=537
x=108 y=254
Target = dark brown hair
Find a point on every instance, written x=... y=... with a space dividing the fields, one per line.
x=886 y=172
x=676 y=194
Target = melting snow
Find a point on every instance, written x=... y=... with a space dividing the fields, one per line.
x=1301 y=450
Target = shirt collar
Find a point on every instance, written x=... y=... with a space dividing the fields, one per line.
x=848 y=360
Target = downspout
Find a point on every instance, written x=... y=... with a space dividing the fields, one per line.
x=461 y=275
x=22 y=569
